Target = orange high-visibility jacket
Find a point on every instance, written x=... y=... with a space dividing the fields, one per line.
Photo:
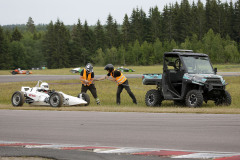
x=85 y=78
x=120 y=79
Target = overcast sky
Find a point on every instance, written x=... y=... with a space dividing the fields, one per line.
x=69 y=11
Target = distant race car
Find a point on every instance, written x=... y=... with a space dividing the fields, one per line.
x=125 y=69
x=19 y=71
x=41 y=95
x=76 y=70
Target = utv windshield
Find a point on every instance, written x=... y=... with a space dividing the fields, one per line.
x=197 y=65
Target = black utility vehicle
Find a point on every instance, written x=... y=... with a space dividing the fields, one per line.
x=188 y=79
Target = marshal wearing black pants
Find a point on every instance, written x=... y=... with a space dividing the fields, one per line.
x=119 y=91
x=91 y=88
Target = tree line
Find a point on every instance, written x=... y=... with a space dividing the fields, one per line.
x=213 y=28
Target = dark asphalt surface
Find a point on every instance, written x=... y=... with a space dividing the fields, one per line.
x=70 y=154
x=203 y=132
x=21 y=78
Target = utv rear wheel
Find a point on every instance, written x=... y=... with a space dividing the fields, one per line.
x=56 y=99
x=225 y=99
x=18 y=98
x=194 y=98
x=153 y=98
x=85 y=97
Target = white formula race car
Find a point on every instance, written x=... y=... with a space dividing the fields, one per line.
x=41 y=95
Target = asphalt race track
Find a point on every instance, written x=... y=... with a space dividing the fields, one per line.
x=206 y=132
x=21 y=78
x=184 y=132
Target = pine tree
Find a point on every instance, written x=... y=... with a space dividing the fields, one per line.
x=230 y=18
x=56 y=45
x=17 y=51
x=62 y=38
x=16 y=35
x=76 y=45
x=222 y=12
x=139 y=26
x=183 y=21
x=33 y=50
x=126 y=36
x=5 y=57
x=155 y=23
x=109 y=31
x=199 y=21
x=212 y=17
x=77 y=34
x=168 y=23
x=236 y=27
x=30 y=25
x=48 y=44
x=88 y=41
x=100 y=36
x=112 y=33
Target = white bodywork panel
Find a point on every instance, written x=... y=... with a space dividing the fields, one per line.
x=42 y=98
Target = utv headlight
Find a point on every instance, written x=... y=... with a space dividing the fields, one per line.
x=199 y=79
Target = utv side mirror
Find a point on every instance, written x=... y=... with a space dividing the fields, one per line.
x=215 y=70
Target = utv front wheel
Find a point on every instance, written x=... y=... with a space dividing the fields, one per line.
x=194 y=98
x=225 y=99
x=18 y=98
x=56 y=99
x=153 y=98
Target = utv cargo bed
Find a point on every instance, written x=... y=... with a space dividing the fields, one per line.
x=152 y=79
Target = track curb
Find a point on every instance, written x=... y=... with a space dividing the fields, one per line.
x=183 y=154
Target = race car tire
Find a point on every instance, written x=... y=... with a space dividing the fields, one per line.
x=85 y=97
x=13 y=72
x=27 y=72
x=56 y=99
x=18 y=98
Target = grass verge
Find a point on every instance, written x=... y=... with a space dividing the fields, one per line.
x=107 y=93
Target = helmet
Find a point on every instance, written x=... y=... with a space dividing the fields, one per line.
x=109 y=67
x=44 y=86
x=89 y=68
